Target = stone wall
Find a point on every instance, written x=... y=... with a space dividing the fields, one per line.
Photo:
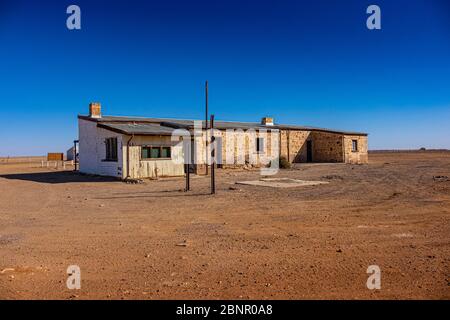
x=327 y=147
x=240 y=148
x=237 y=148
x=293 y=145
x=360 y=156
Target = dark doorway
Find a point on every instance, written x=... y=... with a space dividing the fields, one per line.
x=308 y=151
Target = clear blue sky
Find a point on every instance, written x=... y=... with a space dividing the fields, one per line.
x=303 y=62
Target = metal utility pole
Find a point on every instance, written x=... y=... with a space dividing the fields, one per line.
x=206 y=126
x=213 y=160
x=187 y=161
x=188 y=186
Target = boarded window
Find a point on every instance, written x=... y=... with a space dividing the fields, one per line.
x=354 y=145
x=165 y=152
x=111 y=149
x=145 y=153
x=157 y=152
x=260 y=145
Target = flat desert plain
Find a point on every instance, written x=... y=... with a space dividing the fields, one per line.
x=153 y=241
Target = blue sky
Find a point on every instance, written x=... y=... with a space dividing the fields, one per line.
x=302 y=62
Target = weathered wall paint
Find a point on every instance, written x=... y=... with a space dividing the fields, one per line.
x=93 y=150
x=237 y=148
x=151 y=168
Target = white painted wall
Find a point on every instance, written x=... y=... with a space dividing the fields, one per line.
x=92 y=150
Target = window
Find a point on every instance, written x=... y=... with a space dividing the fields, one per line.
x=155 y=153
x=158 y=152
x=260 y=145
x=165 y=152
x=354 y=145
x=145 y=153
x=111 y=149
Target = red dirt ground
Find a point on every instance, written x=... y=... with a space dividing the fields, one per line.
x=246 y=242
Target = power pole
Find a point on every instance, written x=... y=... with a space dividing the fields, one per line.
x=187 y=161
x=206 y=126
x=213 y=157
x=188 y=186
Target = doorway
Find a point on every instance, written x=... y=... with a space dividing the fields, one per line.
x=308 y=151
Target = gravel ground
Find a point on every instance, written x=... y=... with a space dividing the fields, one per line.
x=153 y=241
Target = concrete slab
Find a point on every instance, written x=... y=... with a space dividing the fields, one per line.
x=281 y=183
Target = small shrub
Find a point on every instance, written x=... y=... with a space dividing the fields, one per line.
x=284 y=163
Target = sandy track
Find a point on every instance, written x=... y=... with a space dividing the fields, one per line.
x=251 y=242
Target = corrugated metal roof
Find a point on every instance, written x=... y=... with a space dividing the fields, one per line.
x=137 y=128
x=165 y=126
x=217 y=124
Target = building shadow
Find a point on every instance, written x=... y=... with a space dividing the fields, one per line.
x=57 y=177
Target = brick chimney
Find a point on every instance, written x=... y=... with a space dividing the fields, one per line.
x=267 y=121
x=95 y=110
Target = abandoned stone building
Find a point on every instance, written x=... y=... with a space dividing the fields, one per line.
x=132 y=147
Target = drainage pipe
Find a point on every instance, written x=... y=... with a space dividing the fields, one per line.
x=128 y=156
